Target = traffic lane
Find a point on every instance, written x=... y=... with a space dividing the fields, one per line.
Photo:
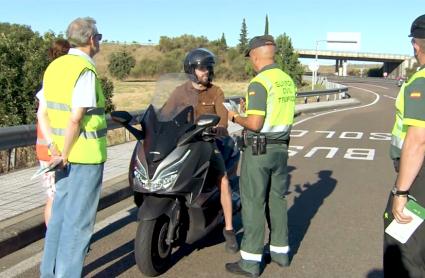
x=344 y=197
x=316 y=237
x=112 y=251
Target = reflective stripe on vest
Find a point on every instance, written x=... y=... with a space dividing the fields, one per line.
x=399 y=130
x=280 y=100
x=65 y=107
x=90 y=147
x=83 y=133
x=42 y=141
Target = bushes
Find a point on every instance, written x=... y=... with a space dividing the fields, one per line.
x=120 y=64
x=23 y=59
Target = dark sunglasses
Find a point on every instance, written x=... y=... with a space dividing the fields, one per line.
x=98 y=36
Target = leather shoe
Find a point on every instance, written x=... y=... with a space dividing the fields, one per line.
x=236 y=269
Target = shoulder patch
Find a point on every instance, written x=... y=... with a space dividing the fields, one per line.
x=251 y=93
x=415 y=94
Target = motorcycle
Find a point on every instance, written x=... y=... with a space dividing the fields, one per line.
x=174 y=187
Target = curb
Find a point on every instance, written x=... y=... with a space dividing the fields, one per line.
x=326 y=105
x=32 y=228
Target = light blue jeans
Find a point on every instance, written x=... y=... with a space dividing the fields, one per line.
x=73 y=216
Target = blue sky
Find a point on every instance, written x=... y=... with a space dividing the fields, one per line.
x=384 y=25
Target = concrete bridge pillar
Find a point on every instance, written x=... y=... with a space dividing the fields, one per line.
x=338 y=67
x=344 y=68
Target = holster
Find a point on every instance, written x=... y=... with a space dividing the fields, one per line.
x=258 y=144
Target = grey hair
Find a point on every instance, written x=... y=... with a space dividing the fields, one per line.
x=80 y=30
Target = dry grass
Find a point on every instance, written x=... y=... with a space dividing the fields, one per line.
x=132 y=96
x=136 y=95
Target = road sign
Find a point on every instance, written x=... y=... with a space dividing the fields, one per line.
x=313 y=66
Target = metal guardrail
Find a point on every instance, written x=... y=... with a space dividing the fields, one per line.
x=25 y=135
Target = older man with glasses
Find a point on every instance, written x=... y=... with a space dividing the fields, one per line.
x=75 y=113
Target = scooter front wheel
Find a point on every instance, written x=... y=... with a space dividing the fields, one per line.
x=152 y=253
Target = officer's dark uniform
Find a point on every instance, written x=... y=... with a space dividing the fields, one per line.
x=408 y=259
x=264 y=167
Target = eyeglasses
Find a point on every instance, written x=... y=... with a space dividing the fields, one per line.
x=98 y=37
x=413 y=41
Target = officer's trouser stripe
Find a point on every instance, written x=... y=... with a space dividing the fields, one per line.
x=279 y=249
x=250 y=256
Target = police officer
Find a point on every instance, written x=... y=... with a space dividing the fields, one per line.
x=407 y=151
x=270 y=105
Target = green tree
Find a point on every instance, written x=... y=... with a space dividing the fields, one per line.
x=184 y=43
x=243 y=38
x=120 y=64
x=287 y=58
x=266 y=28
x=108 y=92
x=23 y=58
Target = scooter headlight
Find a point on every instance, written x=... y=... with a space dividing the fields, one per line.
x=161 y=180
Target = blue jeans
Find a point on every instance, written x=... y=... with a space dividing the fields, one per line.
x=73 y=216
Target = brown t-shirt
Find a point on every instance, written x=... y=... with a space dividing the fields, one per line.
x=208 y=101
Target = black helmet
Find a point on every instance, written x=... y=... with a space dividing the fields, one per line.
x=199 y=57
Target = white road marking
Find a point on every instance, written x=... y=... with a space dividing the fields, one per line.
x=344 y=109
x=389 y=96
x=36 y=259
x=382 y=87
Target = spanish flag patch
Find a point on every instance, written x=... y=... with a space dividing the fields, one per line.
x=251 y=93
x=415 y=94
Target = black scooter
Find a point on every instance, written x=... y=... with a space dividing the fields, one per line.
x=178 y=199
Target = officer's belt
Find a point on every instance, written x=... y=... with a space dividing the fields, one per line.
x=270 y=141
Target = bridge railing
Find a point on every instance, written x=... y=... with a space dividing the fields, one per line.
x=15 y=138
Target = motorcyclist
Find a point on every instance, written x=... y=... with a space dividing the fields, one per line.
x=207 y=98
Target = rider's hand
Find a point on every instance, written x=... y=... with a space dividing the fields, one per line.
x=399 y=202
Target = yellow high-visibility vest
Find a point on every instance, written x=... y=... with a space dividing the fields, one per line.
x=281 y=94
x=400 y=127
x=58 y=83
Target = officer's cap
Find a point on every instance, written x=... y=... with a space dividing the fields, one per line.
x=418 y=28
x=259 y=41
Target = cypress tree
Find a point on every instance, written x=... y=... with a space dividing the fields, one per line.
x=243 y=38
x=266 y=29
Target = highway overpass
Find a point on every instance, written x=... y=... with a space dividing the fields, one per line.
x=393 y=64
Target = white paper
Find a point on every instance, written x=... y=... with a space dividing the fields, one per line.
x=231 y=106
x=52 y=166
x=402 y=232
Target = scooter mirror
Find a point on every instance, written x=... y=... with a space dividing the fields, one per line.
x=208 y=120
x=122 y=117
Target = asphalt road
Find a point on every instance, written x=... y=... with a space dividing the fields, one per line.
x=340 y=179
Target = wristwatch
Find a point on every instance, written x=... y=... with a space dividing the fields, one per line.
x=397 y=192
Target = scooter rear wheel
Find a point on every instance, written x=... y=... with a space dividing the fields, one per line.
x=152 y=253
